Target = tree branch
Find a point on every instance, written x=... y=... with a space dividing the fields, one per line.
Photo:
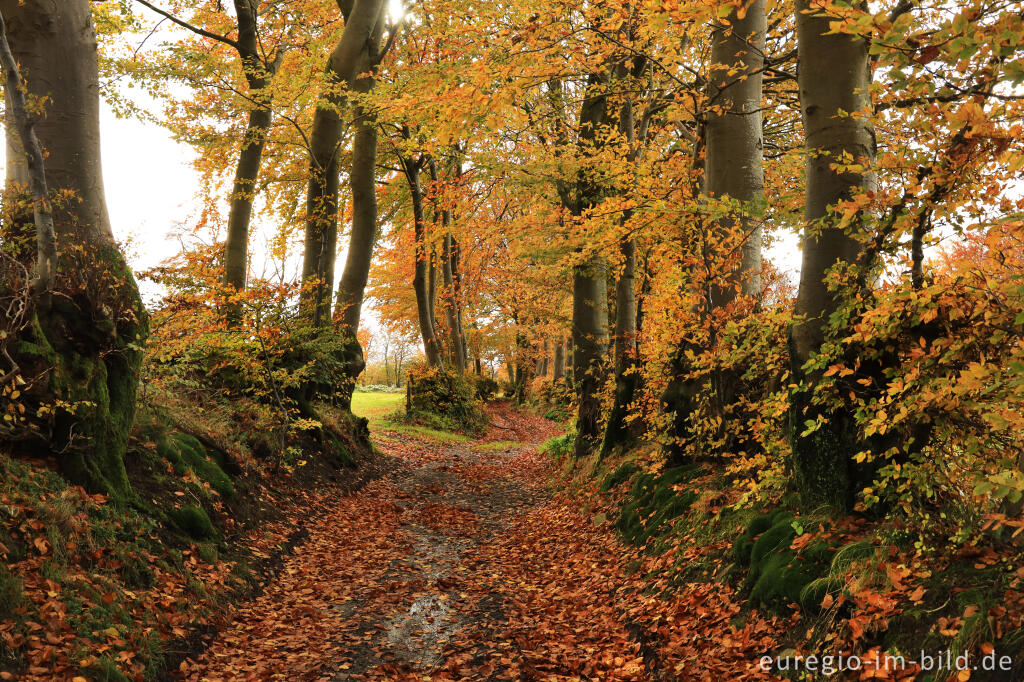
x=42 y=213
x=185 y=24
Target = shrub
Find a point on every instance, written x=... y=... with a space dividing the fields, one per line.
x=432 y=392
x=559 y=447
x=486 y=388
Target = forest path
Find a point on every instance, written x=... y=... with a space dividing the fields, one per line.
x=460 y=564
x=405 y=578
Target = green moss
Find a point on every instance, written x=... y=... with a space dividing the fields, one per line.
x=744 y=545
x=774 y=540
x=194 y=521
x=653 y=503
x=11 y=590
x=337 y=450
x=777 y=576
x=186 y=453
x=195 y=456
x=91 y=352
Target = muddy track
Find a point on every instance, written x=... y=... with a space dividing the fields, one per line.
x=374 y=592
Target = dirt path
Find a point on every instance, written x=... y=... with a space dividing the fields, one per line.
x=460 y=565
x=374 y=592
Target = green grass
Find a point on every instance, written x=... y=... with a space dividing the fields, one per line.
x=424 y=432
x=498 y=445
x=377 y=406
x=384 y=410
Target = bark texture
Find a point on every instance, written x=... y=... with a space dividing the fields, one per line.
x=450 y=276
x=833 y=77
x=363 y=235
x=258 y=75
x=85 y=343
x=734 y=147
x=558 y=363
x=362 y=19
x=733 y=173
x=420 y=277
x=590 y=279
x=42 y=211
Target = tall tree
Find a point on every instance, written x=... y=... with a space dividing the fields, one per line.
x=590 y=276
x=83 y=346
x=362 y=179
x=412 y=168
x=733 y=182
x=449 y=276
x=834 y=80
x=259 y=69
x=364 y=19
x=734 y=149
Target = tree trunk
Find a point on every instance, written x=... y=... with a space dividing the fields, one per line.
x=590 y=344
x=352 y=286
x=20 y=124
x=449 y=274
x=733 y=168
x=362 y=179
x=833 y=78
x=420 y=276
x=432 y=288
x=734 y=148
x=590 y=284
x=258 y=75
x=452 y=308
x=236 y=246
x=733 y=172
x=321 y=239
x=558 y=370
x=84 y=344
x=617 y=433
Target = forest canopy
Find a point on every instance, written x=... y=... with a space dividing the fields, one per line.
x=782 y=242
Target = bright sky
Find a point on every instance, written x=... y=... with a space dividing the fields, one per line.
x=149 y=184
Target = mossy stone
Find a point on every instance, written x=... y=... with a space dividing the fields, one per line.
x=185 y=453
x=194 y=521
x=653 y=503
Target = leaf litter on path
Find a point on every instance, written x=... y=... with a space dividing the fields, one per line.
x=460 y=565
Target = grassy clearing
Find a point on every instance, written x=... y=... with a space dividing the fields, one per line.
x=384 y=412
x=376 y=407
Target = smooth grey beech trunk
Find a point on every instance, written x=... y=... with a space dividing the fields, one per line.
x=733 y=173
x=83 y=345
x=589 y=278
x=452 y=307
x=362 y=19
x=834 y=79
x=558 y=362
x=449 y=278
x=431 y=347
x=734 y=144
x=617 y=431
x=258 y=76
x=20 y=124
x=362 y=177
